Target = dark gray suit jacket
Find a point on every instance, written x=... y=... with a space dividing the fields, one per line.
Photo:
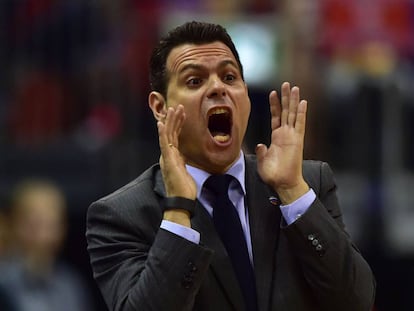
x=309 y=265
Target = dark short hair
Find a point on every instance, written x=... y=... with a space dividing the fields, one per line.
x=190 y=32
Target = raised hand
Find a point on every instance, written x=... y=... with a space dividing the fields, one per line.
x=280 y=164
x=176 y=178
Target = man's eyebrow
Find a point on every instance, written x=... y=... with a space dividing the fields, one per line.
x=227 y=62
x=190 y=67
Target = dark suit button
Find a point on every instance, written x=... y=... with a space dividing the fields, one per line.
x=311 y=237
x=320 y=249
x=315 y=242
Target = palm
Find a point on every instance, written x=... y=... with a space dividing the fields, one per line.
x=280 y=164
x=176 y=178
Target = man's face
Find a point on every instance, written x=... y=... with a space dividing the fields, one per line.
x=206 y=80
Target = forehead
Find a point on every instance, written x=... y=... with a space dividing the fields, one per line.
x=198 y=53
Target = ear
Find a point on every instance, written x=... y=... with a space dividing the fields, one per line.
x=158 y=105
x=246 y=87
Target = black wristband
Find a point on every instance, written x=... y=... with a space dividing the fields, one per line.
x=180 y=203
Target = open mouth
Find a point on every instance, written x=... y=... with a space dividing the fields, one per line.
x=219 y=124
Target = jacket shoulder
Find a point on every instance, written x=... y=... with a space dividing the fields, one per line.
x=136 y=200
x=141 y=187
x=318 y=175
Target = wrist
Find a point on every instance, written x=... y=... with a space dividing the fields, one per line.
x=288 y=195
x=179 y=210
x=179 y=216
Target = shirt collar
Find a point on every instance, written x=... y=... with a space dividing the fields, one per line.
x=237 y=170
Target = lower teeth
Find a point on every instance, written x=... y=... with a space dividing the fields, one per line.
x=221 y=137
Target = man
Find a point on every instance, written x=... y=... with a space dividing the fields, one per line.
x=155 y=244
x=32 y=275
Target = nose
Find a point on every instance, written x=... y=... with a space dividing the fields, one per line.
x=217 y=88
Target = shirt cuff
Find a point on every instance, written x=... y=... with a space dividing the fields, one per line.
x=291 y=212
x=182 y=231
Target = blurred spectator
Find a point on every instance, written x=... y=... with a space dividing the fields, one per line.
x=33 y=276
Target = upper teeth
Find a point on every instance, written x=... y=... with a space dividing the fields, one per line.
x=219 y=111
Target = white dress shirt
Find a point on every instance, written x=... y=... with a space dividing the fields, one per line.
x=237 y=194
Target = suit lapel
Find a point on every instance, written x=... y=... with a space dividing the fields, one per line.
x=221 y=264
x=264 y=219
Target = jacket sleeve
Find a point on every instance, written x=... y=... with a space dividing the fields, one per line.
x=332 y=265
x=137 y=265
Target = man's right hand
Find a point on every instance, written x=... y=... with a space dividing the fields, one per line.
x=178 y=182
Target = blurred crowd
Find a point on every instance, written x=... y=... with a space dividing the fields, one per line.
x=74 y=122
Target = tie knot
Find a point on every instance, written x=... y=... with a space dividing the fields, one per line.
x=218 y=184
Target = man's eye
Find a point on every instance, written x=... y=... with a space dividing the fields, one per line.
x=229 y=77
x=194 y=81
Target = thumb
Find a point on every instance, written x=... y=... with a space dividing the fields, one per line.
x=161 y=161
x=261 y=151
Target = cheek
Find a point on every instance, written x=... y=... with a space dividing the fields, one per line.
x=193 y=120
x=245 y=111
x=191 y=129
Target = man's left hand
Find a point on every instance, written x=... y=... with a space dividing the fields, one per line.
x=280 y=164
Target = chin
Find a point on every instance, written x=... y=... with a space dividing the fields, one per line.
x=222 y=161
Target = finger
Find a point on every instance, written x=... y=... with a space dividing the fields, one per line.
x=164 y=136
x=179 y=116
x=168 y=151
x=275 y=110
x=285 y=103
x=175 y=118
x=293 y=105
x=174 y=122
x=261 y=151
x=180 y=126
x=300 y=124
x=169 y=124
x=161 y=136
x=161 y=161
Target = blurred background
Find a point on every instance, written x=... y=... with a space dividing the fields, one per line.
x=74 y=114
